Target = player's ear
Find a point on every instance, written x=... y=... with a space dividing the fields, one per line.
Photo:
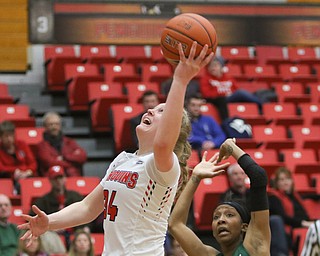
x=244 y=227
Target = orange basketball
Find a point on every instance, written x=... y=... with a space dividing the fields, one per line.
x=186 y=28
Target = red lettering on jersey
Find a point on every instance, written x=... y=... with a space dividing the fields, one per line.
x=133 y=180
x=124 y=177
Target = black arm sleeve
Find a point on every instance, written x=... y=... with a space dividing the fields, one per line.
x=258 y=183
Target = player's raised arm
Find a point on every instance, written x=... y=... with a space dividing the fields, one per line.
x=169 y=127
x=258 y=237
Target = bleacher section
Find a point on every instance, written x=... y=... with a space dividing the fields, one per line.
x=104 y=84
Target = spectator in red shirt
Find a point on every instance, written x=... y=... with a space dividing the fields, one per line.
x=219 y=89
x=57 y=149
x=16 y=158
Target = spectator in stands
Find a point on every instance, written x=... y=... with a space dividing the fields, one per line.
x=59 y=197
x=287 y=203
x=57 y=149
x=150 y=99
x=16 y=158
x=9 y=233
x=53 y=244
x=81 y=244
x=239 y=190
x=219 y=89
x=141 y=187
x=34 y=249
x=237 y=231
x=206 y=133
x=238 y=181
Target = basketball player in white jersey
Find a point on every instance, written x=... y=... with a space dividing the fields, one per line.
x=138 y=190
x=311 y=246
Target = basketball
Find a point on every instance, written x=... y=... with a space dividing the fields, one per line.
x=187 y=28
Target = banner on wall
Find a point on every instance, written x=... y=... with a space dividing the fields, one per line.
x=140 y=24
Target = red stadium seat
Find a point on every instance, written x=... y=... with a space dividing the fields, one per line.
x=315 y=180
x=31 y=189
x=296 y=73
x=5 y=97
x=314 y=91
x=301 y=160
x=238 y=54
x=306 y=136
x=235 y=71
x=261 y=73
x=19 y=114
x=291 y=92
x=136 y=89
x=98 y=54
x=155 y=72
x=272 y=137
x=133 y=54
x=194 y=159
x=156 y=54
x=123 y=73
x=15 y=216
x=316 y=69
x=267 y=159
x=77 y=79
x=98 y=243
x=101 y=96
x=303 y=55
x=206 y=199
x=7 y=188
x=31 y=135
x=298 y=237
x=248 y=111
x=310 y=113
x=281 y=113
x=210 y=110
x=83 y=185
x=273 y=55
x=121 y=125
x=56 y=56
x=302 y=184
x=313 y=208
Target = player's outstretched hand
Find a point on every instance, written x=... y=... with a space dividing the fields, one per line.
x=190 y=66
x=226 y=149
x=36 y=225
x=209 y=168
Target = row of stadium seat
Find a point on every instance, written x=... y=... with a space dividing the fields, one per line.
x=35 y=187
x=278 y=124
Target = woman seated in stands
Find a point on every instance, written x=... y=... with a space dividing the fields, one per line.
x=287 y=203
x=81 y=245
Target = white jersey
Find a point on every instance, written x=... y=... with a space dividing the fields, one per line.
x=138 y=201
x=311 y=245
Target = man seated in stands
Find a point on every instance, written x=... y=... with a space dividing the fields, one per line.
x=150 y=99
x=9 y=233
x=206 y=133
x=16 y=158
x=58 y=149
x=219 y=89
x=58 y=197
